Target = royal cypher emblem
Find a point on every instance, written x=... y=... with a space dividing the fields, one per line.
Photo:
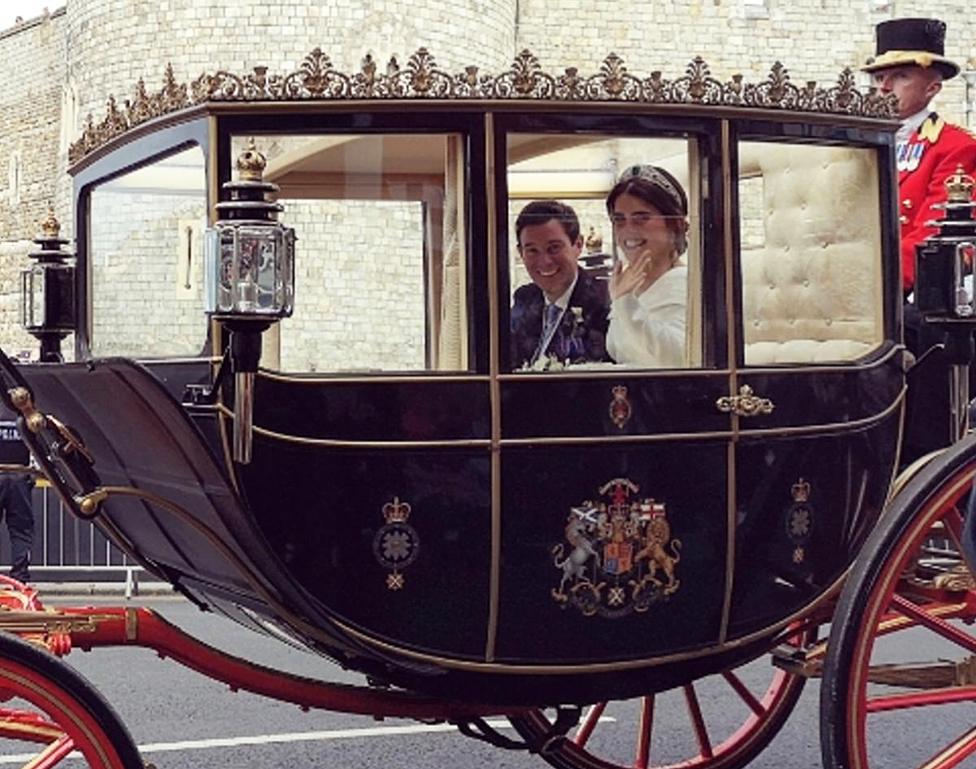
x=620 y=409
x=799 y=520
x=619 y=556
x=396 y=544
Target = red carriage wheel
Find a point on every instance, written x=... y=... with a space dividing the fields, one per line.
x=672 y=729
x=898 y=687
x=49 y=713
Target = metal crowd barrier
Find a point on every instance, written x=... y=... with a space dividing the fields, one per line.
x=68 y=550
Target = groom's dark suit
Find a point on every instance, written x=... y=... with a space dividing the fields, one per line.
x=581 y=335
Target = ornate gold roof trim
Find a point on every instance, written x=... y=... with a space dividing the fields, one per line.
x=317 y=79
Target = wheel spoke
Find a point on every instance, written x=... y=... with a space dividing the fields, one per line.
x=740 y=688
x=954 y=754
x=24 y=725
x=53 y=754
x=933 y=623
x=920 y=699
x=589 y=723
x=644 y=730
x=698 y=722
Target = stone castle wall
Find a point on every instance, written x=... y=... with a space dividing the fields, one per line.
x=66 y=64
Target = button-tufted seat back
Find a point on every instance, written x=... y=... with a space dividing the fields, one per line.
x=812 y=289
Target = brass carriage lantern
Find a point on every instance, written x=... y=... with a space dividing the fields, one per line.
x=249 y=279
x=47 y=296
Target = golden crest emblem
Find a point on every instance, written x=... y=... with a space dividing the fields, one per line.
x=619 y=556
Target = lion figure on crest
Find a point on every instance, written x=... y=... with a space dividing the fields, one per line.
x=655 y=546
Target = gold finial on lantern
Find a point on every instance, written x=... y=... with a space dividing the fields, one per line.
x=594 y=241
x=251 y=163
x=959 y=186
x=50 y=226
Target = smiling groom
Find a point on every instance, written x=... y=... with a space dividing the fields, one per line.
x=561 y=317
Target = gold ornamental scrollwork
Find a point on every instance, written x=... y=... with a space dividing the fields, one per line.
x=745 y=404
x=317 y=79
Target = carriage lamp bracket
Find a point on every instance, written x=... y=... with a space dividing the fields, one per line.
x=196 y=394
x=249 y=280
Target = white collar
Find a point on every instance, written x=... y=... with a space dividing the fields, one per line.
x=563 y=301
x=911 y=124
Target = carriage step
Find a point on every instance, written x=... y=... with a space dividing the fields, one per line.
x=806 y=661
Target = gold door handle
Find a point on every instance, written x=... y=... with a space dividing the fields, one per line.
x=745 y=404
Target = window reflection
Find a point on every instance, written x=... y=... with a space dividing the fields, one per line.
x=146 y=260
x=380 y=261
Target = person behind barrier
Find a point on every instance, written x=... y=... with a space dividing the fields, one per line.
x=648 y=286
x=561 y=317
x=15 y=499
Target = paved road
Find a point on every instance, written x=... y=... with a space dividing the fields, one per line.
x=181 y=719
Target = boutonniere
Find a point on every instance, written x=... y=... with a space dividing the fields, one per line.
x=577 y=315
x=544 y=363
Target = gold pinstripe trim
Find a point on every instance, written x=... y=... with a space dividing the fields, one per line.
x=732 y=330
x=600 y=440
x=495 y=396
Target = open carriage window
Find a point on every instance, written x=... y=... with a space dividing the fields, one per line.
x=146 y=260
x=380 y=252
x=604 y=252
x=810 y=233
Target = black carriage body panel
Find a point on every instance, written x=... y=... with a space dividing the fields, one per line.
x=566 y=407
x=833 y=396
x=328 y=524
x=805 y=507
x=807 y=489
x=555 y=607
x=405 y=410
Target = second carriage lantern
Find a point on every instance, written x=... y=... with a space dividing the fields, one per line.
x=944 y=292
x=249 y=279
x=47 y=299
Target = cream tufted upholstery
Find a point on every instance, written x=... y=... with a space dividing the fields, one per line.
x=812 y=290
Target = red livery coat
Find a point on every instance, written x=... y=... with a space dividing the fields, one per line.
x=930 y=155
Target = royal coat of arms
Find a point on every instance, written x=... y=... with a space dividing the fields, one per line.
x=619 y=556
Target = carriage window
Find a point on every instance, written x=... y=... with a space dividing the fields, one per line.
x=810 y=229
x=588 y=292
x=380 y=252
x=146 y=260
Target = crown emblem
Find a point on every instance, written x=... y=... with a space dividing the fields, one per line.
x=959 y=186
x=800 y=491
x=251 y=163
x=50 y=226
x=396 y=511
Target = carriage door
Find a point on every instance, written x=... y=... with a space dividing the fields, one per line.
x=613 y=517
x=817 y=247
x=370 y=470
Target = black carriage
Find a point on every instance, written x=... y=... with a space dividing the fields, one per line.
x=346 y=452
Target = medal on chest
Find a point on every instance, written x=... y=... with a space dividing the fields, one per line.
x=910 y=155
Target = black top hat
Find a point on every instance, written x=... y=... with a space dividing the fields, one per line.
x=912 y=41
